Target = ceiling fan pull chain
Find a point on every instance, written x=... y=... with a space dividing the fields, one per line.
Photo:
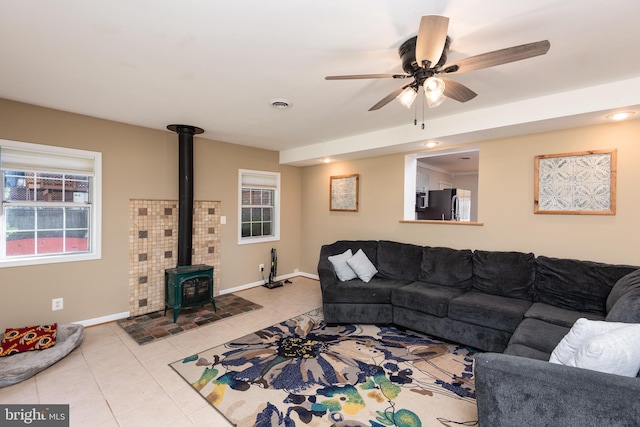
x=423 y=98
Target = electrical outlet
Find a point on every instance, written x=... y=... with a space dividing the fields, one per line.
x=57 y=304
x=261 y=267
x=295 y=270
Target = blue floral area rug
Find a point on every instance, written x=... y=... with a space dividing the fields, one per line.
x=302 y=372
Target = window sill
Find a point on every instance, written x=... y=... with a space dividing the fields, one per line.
x=49 y=259
x=251 y=240
x=440 y=222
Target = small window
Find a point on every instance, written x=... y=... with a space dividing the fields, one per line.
x=50 y=204
x=259 y=206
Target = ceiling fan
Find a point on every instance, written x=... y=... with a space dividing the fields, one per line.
x=424 y=59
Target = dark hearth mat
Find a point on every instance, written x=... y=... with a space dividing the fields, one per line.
x=154 y=326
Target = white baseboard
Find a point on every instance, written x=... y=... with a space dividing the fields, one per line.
x=241 y=287
x=103 y=319
x=260 y=283
x=125 y=314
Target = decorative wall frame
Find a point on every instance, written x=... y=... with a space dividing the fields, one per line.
x=343 y=193
x=582 y=183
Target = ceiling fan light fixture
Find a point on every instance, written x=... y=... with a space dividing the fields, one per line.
x=407 y=96
x=434 y=91
x=425 y=56
x=432 y=103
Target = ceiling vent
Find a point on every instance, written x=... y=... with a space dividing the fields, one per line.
x=280 y=103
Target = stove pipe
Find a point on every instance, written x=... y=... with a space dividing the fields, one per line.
x=185 y=190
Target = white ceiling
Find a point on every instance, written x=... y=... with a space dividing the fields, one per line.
x=217 y=64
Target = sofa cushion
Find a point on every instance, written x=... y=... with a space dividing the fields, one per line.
x=625 y=284
x=538 y=335
x=362 y=266
x=576 y=285
x=525 y=351
x=492 y=311
x=398 y=260
x=339 y=262
x=425 y=297
x=558 y=316
x=447 y=267
x=377 y=291
x=507 y=274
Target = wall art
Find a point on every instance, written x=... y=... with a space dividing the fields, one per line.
x=582 y=183
x=343 y=193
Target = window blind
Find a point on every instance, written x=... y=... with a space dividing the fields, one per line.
x=13 y=158
x=258 y=179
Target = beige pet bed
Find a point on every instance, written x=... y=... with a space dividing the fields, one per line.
x=19 y=367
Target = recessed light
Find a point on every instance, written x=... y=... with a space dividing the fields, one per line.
x=620 y=115
x=327 y=160
x=280 y=103
x=431 y=144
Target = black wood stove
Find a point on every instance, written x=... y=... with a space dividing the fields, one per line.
x=186 y=286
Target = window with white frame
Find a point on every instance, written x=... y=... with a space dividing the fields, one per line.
x=50 y=204
x=259 y=206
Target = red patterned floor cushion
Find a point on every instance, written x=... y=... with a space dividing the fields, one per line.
x=38 y=337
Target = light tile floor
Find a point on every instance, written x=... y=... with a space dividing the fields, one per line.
x=110 y=380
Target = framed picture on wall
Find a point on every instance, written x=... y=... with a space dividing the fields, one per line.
x=343 y=193
x=582 y=183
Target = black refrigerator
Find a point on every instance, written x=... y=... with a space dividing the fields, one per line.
x=442 y=205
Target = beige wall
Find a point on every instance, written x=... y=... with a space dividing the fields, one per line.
x=138 y=163
x=505 y=190
x=141 y=163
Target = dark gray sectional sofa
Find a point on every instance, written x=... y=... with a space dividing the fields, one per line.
x=514 y=305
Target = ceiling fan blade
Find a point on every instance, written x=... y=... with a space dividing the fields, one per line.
x=499 y=57
x=457 y=91
x=387 y=99
x=432 y=36
x=368 y=76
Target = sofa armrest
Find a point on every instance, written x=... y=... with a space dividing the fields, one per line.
x=326 y=272
x=512 y=390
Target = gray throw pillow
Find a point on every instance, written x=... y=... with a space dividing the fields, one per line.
x=343 y=271
x=362 y=266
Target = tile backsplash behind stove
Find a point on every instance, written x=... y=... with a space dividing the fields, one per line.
x=153 y=247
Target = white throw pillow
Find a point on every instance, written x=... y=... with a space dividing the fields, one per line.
x=614 y=352
x=362 y=266
x=581 y=331
x=343 y=271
